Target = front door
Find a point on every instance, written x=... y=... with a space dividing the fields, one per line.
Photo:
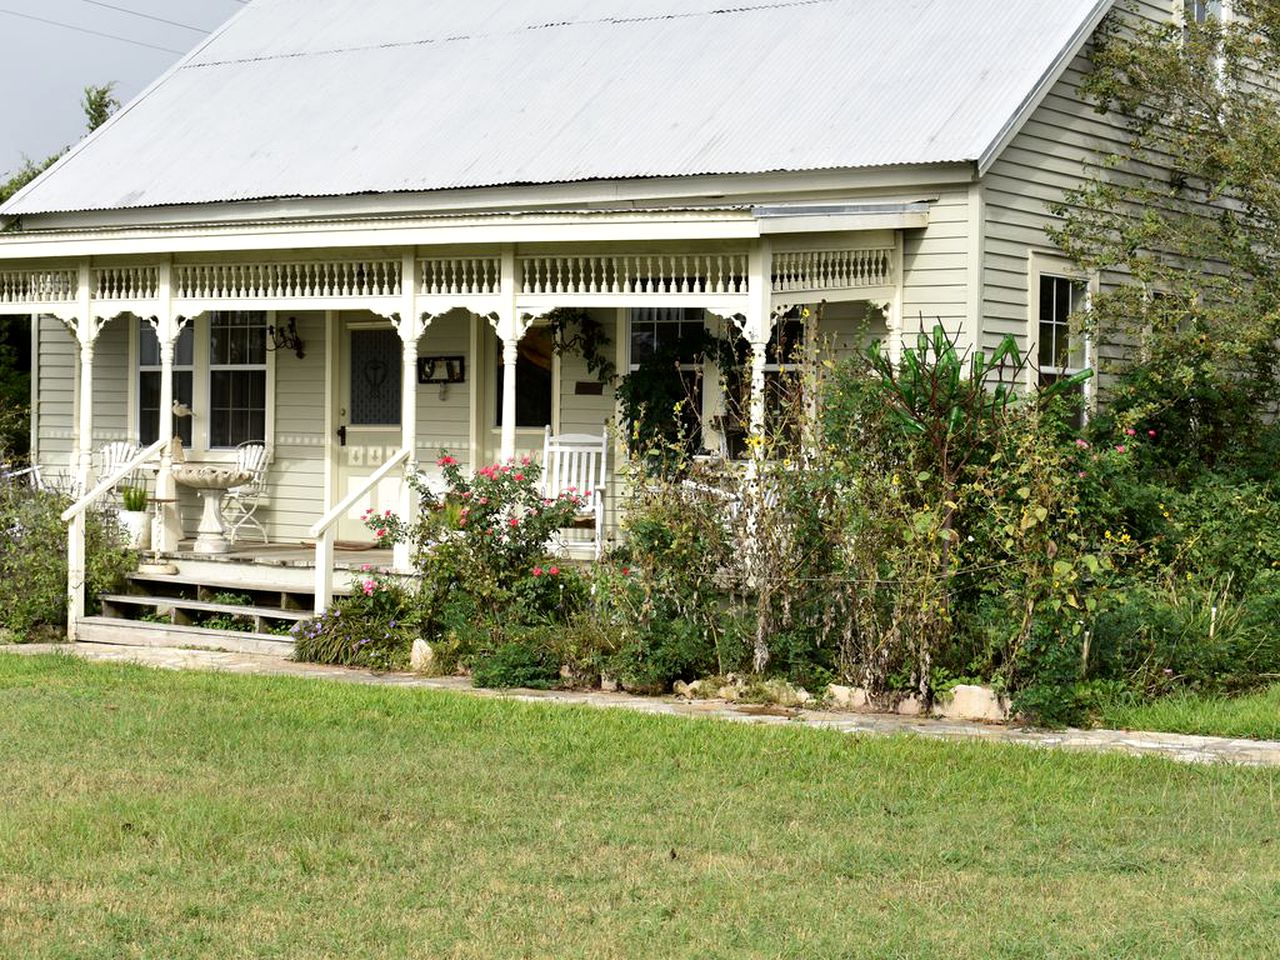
x=368 y=417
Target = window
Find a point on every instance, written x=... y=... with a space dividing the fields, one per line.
x=237 y=378
x=1060 y=355
x=674 y=337
x=784 y=370
x=376 y=383
x=149 y=377
x=1199 y=11
x=535 y=380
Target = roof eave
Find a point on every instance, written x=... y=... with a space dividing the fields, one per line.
x=1042 y=88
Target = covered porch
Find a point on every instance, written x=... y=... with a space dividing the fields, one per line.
x=353 y=365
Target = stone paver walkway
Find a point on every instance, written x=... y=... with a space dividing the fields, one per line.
x=1172 y=746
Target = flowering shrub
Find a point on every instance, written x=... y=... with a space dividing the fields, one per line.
x=374 y=627
x=33 y=560
x=481 y=553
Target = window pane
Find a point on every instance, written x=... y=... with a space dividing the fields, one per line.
x=666 y=328
x=149 y=346
x=786 y=346
x=376 y=382
x=237 y=412
x=237 y=339
x=1060 y=297
x=149 y=406
x=534 y=379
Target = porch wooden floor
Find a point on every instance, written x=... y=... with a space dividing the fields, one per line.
x=347 y=556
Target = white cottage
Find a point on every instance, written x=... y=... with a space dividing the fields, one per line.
x=338 y=226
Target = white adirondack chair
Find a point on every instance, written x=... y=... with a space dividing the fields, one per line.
x=114 y=455
x=240 y=504
x=578 y=463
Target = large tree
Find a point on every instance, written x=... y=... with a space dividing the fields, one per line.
x=1183 y=217
x=99 y=104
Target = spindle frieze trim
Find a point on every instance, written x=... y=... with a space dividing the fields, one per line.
x=39 y=286
x=459 y=276
x=849 y=269
x=652 y=274
x=307 y=280
x=125 y=283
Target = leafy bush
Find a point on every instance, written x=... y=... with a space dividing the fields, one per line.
x=33 y=560
x=481 y=554
x=524 y=661
x=375 y=627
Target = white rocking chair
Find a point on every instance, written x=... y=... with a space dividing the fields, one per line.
x=114 y=455
x=240 y=504
x=577 y=463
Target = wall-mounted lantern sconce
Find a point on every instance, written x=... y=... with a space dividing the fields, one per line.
x=286 y=338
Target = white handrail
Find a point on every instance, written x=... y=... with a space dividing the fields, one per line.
x=92 y=497
x=351 y=499
x=322 y=530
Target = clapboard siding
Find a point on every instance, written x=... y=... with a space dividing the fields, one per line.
x=55 y=395
x=587 y=414
x=297 y=474
x=1062 y=141
x=444 y=414
x=111 y=375
x=935 y=267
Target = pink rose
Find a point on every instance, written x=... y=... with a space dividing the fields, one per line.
x=1120 y=448
x=554 y=571
x=537 y=571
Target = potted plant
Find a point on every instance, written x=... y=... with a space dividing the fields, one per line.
x=135 y=518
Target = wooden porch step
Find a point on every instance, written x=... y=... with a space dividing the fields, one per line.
x=137 y=633
x=180 y=605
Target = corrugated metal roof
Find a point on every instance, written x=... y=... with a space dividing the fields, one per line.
x=339 y=97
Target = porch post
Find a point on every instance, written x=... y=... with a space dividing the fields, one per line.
x=759 y=328
x=166 y=526
x=510 y=354
x=86 y=330
x=411 y=327
x=87 y=335
x=509 y=332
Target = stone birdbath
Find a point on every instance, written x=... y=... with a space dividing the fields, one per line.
x=211 y=482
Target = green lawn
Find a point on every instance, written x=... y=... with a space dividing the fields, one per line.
x=1256 y=716
x=165 y=815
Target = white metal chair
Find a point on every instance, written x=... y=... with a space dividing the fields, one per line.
x=578 y=463
x=26 y=476
x=114 y=455
x=240 y=504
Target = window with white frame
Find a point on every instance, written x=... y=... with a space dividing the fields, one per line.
x=237 y=378
x=1060 y=353
x=535 y=379
x=786 y=363
x=677 y=335
x=1201 y=11
x=149 y=382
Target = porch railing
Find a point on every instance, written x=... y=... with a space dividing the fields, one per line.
x=75 y=516
x=324 y=534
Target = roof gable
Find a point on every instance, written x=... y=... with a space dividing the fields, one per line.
x=340 y=97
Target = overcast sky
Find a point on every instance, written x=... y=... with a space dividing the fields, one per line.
x=44 y=68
